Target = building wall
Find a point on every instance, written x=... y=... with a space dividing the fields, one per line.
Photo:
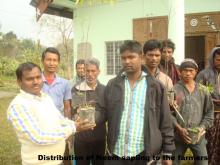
x=112 y=22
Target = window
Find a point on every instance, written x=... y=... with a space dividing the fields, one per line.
x=113 y=57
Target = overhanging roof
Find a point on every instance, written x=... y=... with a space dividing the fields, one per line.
x=63 y=8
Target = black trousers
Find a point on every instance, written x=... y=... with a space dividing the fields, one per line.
x=120 y=161
x=66 y=153
x=89 y=151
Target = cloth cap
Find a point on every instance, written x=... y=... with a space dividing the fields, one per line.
x=188 y=63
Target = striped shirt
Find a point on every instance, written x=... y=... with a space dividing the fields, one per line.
x=130 y=141
x=37 y=122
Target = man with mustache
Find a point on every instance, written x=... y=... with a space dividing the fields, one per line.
x=58 y=88
x=152 y=57
x=196 y=108
x=40 y=127
x=137 y=112
x=167 y=63
x=90 y=143
x=80 y=73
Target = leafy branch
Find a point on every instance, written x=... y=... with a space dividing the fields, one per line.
x=208 y=88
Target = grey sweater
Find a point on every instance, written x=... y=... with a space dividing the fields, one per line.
x=210 y=76
x=196 y=108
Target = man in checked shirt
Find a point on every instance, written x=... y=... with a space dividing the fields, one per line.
x=137 y=111
x=39 y=125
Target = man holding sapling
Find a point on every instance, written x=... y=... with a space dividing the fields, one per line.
x=196 y=115
x=39 y=125
x=88 y=103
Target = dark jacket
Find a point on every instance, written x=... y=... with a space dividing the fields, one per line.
x=158 y=130
x=196 y=107
x=209 y=76
x=96 y=97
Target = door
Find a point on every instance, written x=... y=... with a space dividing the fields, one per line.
x=150 y=28
x=195 y=49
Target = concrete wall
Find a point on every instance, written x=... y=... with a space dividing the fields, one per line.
x=106 y=22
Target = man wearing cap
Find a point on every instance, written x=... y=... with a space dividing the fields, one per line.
x=195 y=107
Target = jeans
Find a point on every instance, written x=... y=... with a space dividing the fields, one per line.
x=199 y=151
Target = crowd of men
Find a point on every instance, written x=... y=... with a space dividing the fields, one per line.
x=153 y=109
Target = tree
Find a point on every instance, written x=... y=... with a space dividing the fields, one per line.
x=62 y=28
x=27 y=44
x=9 y=44
x=14 y=51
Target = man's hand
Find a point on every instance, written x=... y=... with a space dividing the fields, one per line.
x=201 y=133
x=83 y=125
x=173 y=105
x=216 y=100
x=70 y=141
x=184 y=135
x=166 y=162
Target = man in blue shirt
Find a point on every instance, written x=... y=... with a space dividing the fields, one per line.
x=58 y=88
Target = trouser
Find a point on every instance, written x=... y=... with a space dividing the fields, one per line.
x=89 y=152
x=199 y=152
x=66 y=154
x=213 y=141
x=119 y=161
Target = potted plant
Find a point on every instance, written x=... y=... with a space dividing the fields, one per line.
x=83 y=104
x=87 y=112
x=193 y=134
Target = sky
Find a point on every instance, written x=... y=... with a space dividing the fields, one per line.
x=19 y=16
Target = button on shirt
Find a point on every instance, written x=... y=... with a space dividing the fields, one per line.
x=59 y=91
x=130 y=141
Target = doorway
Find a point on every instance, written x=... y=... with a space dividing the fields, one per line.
x=195 y=49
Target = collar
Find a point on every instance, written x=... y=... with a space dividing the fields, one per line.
x=143 y=74
x=157 y=72
x=56 y=79
x=83 y=86
x=32 y=96
x=183 y=84
x=79 y=77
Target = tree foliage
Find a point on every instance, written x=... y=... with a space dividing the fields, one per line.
x=14 y=51
x=61 y=28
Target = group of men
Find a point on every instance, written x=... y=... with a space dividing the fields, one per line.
x=146 y=115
